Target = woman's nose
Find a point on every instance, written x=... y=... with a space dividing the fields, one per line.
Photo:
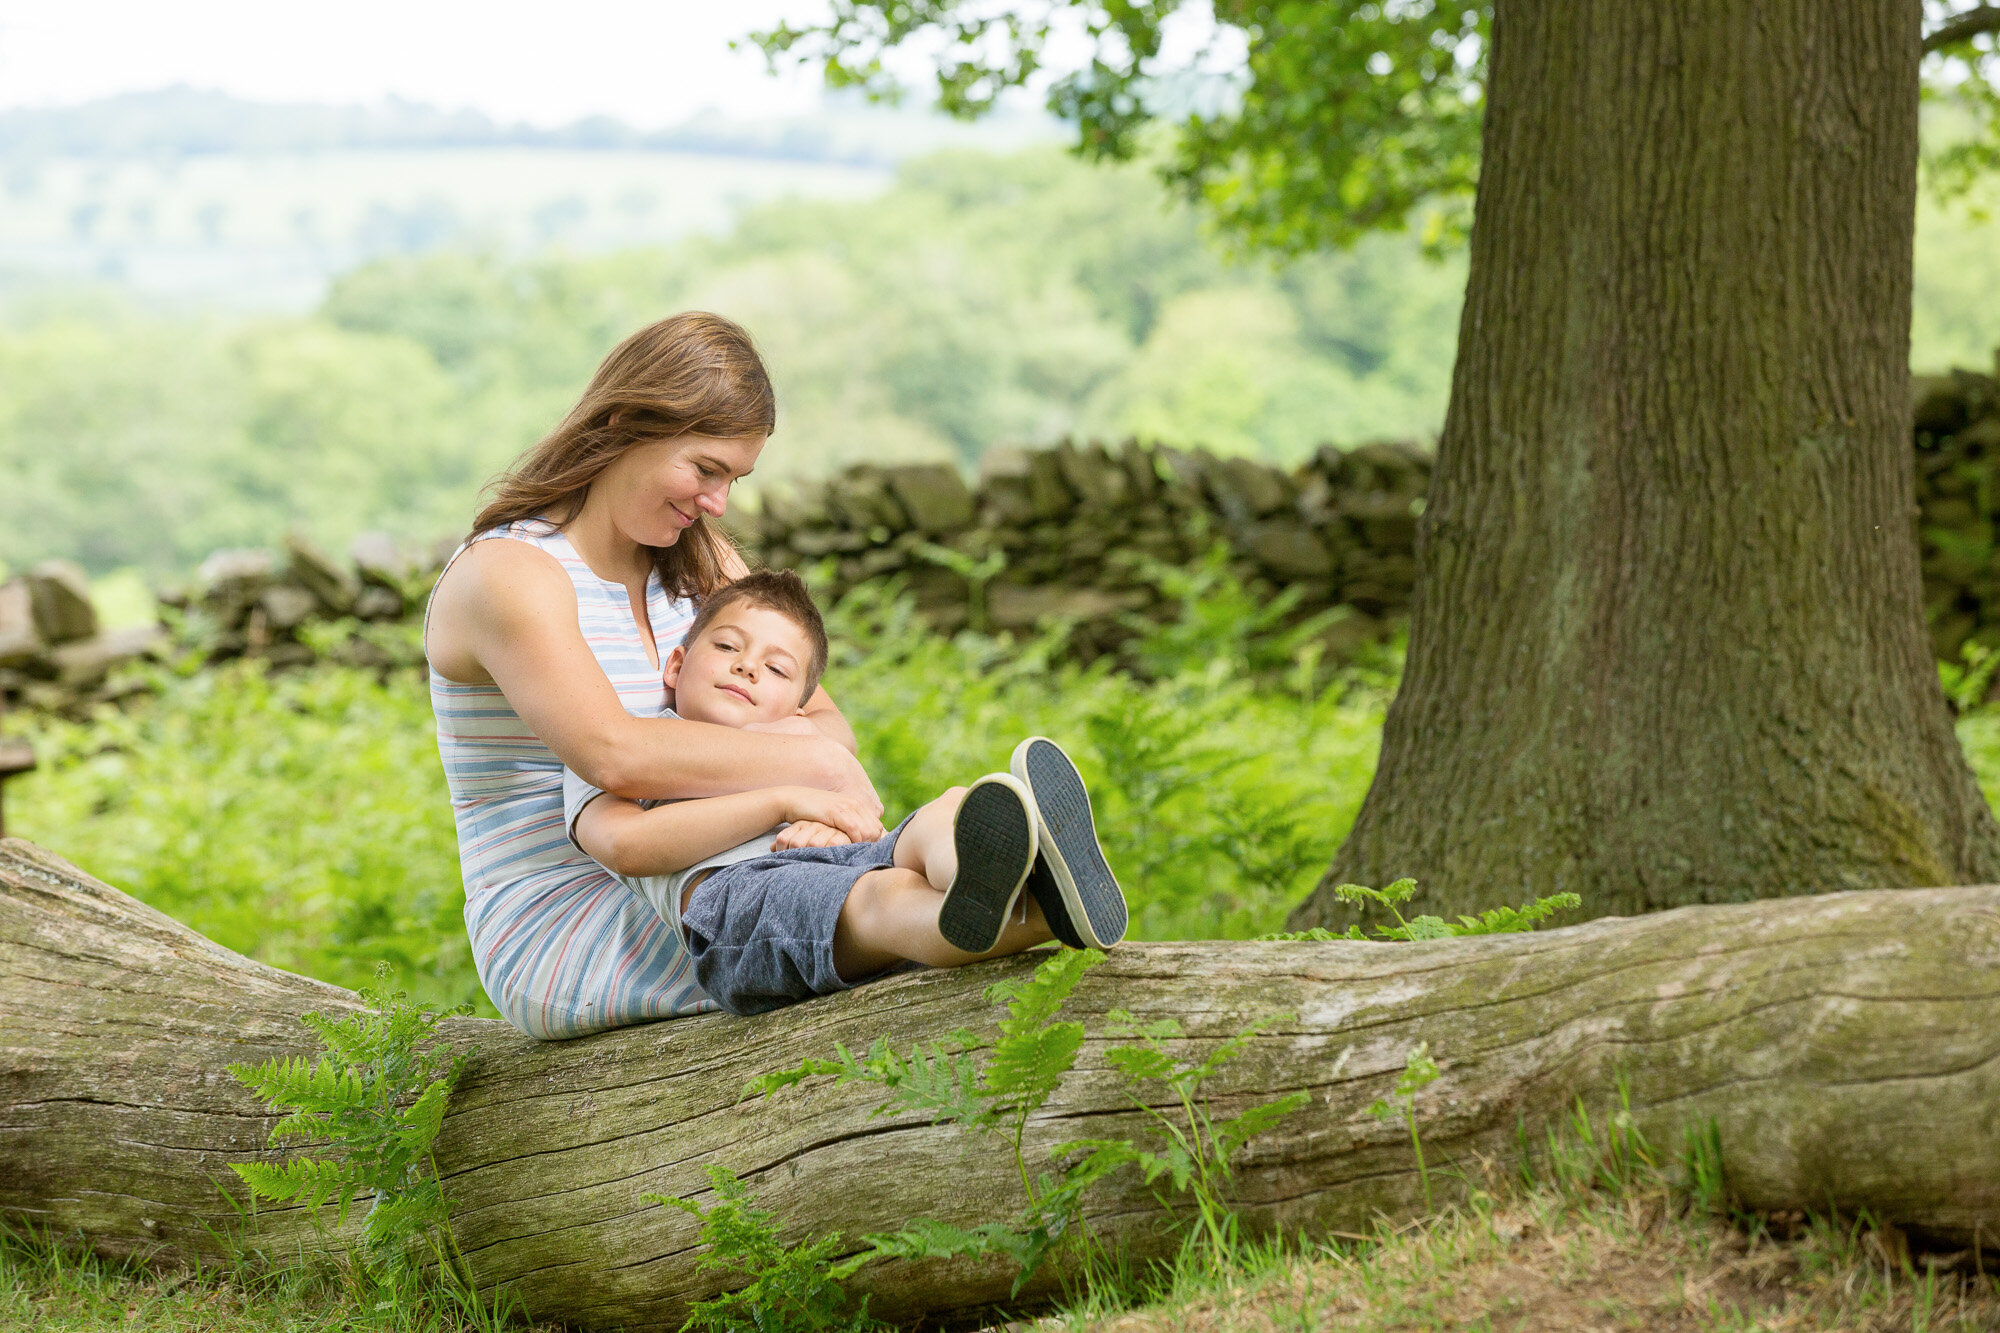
x=713 y=501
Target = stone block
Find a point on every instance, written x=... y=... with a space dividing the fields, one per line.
x=1091 y=474
x=83 y=664
x=882 y=560
x=286 y=606
x=1262 y=489
x=229 y=580
x=859 y=499
x=1288 y=549
x=1013 y=607
x=380 y=561
x=1938 y=405
x=318 y=573
x=59 y=594
x=375 y=602
x=820 y=542
x=1006 y=502
x=1142 y=476
x=20 y=642
x=934 y=496
x=1395 y=532
x=1048 y=494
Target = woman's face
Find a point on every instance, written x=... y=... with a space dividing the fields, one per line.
x=657 y=489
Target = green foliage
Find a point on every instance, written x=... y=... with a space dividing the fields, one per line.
x=979 y=300
x=1195 y=1148
x=1371 y=107
x=1968 y=681
x=375 y=1100
x=1492 y=921
x=1964 y=77
x=1346 y=115
x=1026 y=1062
x=300 y=818
x=1033 y=1051
x=1419 y=1072
x=1219 y=795
x=1583 y=1153
x=792 y=1289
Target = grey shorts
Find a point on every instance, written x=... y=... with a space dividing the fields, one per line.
x=761 y=931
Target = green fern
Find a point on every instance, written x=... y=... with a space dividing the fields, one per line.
x=792 y=1289
x=1419 y=1072
x=1195 y=1148
x=1492 y=921
x=1033 y=1051
x=375 y=1100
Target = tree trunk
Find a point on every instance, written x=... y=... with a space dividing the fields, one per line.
x=1667 y=645
x=1844 y=1046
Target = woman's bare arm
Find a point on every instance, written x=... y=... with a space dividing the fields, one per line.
x=505 y=613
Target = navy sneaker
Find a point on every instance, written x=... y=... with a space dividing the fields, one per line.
x=1083 y=902
x=994 y=834
x=1049 y=898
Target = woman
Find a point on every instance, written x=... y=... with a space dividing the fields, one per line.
x=545 y=635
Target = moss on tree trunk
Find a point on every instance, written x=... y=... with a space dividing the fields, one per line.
x=1667 y=644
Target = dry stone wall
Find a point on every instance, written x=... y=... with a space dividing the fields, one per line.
x=1080 y=533
x=1077 y=533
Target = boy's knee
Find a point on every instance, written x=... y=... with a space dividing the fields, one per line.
x=868 y=903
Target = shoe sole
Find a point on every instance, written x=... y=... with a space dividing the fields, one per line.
x=1089 y=892
x=1042 y=885
x=994 y=834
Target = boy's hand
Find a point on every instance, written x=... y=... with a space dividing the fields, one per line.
x=846 y=813
x=808 y=833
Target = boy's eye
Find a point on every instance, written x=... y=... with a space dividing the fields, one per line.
x=781 y=673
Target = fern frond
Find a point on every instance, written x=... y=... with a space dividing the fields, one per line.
x=1024 y=1067
x=1231 y=1134
x=417 y=1128
x=924 y=1238
x=309 y=1182
x=1032 y=1000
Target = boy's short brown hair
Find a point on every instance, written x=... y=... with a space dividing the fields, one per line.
x=778 y=590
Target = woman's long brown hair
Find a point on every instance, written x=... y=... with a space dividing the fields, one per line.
x=691 y=374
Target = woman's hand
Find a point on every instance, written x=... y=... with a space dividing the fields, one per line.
x=848 y=814
x=808 y=833
x=798 y=724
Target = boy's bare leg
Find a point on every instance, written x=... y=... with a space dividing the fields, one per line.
x=891 y=916
x=926 y=844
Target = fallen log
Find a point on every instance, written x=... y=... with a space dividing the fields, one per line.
x=1843 y=1045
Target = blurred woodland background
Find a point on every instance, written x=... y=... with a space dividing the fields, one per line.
x=221 y=321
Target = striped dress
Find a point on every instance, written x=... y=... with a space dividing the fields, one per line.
x=561 y=946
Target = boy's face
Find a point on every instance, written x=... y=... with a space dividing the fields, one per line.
x=746 y=667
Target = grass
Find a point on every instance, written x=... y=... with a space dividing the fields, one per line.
x=1633 y=1254
x=52 y=1287
x=1544 y=1259
x=302 y=819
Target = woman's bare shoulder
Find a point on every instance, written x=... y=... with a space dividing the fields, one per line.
x=496 y=588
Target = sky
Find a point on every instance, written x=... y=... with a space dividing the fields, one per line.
x=647 y=62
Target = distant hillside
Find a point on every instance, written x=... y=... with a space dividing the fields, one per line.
x=192 y=122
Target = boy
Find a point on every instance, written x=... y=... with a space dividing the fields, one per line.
x=773 y=916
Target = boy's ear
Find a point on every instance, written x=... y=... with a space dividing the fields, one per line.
x=670 y=670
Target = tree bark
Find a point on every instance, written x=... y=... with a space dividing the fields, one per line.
x=1844 y=1045
x=1666 y=645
